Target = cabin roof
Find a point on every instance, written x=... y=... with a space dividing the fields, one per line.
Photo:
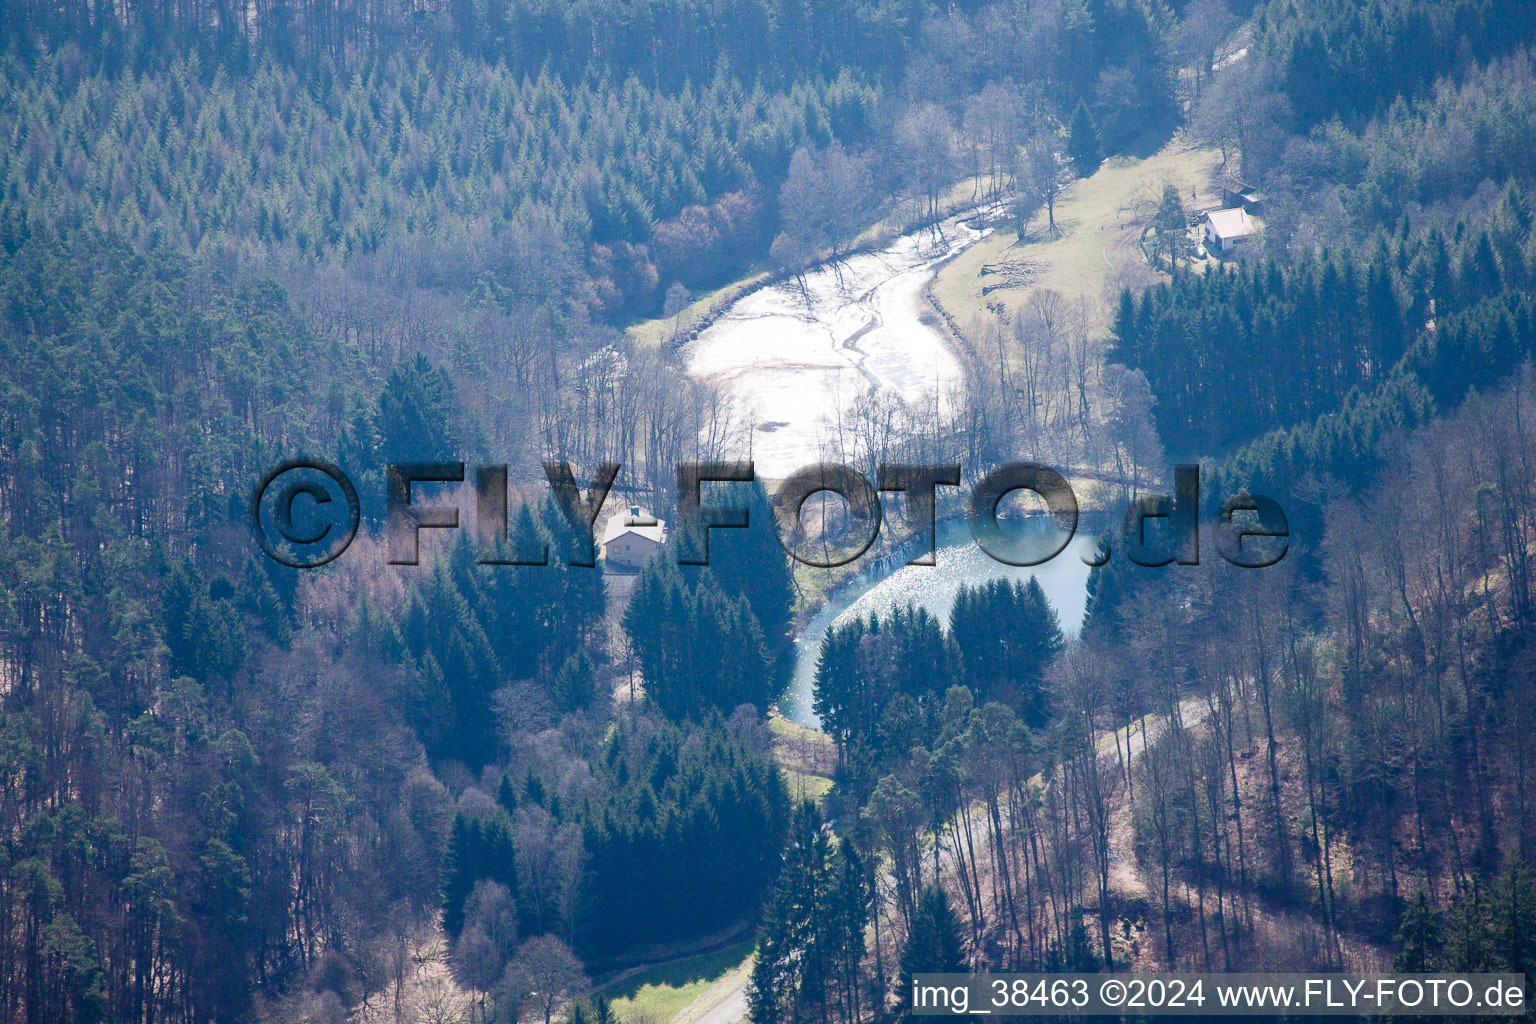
x=638 y=521
x=1234 y=223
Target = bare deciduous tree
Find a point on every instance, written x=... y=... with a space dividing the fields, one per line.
x=925 y=138
x=1043 y=174
x=545 y=974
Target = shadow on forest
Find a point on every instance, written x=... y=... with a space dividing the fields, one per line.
x=1151 y=139
x=686 y=971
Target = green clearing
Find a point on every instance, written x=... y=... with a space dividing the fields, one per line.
x=1098 y=225
x=805 y=756
x=794 y=731
x=659 y=993
x=805 y=786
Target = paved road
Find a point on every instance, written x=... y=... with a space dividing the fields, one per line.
x=731 y=1010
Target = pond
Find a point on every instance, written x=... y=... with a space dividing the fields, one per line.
x=1064 y=579
x=795 y=356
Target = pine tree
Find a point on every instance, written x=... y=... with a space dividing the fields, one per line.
x=477 y=849
x=580 y=599
x=419 y=416
x=1007 y=636
x=796 y=943
x=1514 y=916
x=751 y=563
x=575 y=685
x=459 y=870
x=1469 y=944
x=849 y=917
x=699 y=649
x=766 y=995
x=1420 y=936
x=1083 y=144
x=933 y=941
x=1172 y=224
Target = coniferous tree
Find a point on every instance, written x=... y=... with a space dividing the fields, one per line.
x=699 y=649
x=880 y=683
x=934 y=945
x=1171 y=224
x=1083 y=144
x=750 y=563
x=1007 y=636
x=810 y=951
x=689 y=834
x=418 y=417
x=575 y=685
x=1420 y=937
x=1469 y=944
x=1514 y=918
x=478 y=849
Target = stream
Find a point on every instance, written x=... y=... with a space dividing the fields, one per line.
x=793 y=361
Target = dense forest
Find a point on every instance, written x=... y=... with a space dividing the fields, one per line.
x=459 y=792
x=648 y=168
x=1371 y=363
x=251 y=767
x=387 y=233
x=1324 y=767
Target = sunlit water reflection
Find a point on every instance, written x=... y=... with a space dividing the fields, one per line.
x=1064 y=579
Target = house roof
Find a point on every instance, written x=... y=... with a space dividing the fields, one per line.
x=638 y=521
x=1234 y=223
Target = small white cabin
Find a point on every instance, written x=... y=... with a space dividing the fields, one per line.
x=629 y=540
x=1225 y=228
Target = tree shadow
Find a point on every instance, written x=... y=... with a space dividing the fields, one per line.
x=1153 y=136
x=707 y=967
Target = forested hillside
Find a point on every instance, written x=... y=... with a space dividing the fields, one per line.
x=1370 y=366
x=231 y=235
x=1340 y=59
x=1323 y=763
x=649 y=143
x=221 y=780
x=461 y=792
x=496 y=211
